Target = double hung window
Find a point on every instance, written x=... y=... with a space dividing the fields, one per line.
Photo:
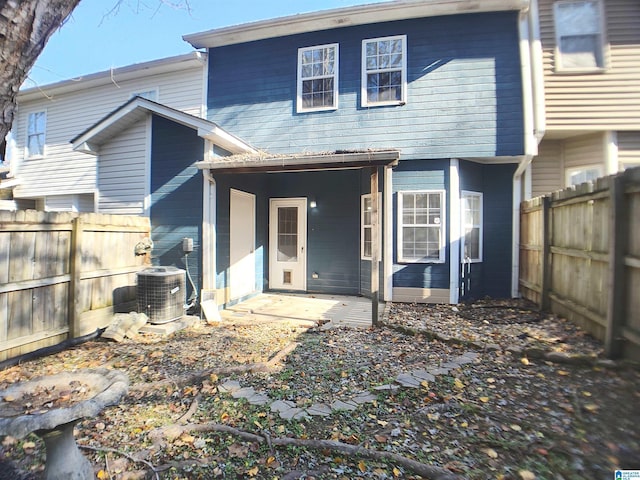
x=579 y=35
x=421 y=230
x=318 y=78
x=384 y=71
x=472 y=226
x=37 y=124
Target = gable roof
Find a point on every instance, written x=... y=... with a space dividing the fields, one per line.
x=137 y=109
x=119 y=74
x=346 y=17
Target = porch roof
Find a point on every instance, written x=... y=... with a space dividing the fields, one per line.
x=269 y=163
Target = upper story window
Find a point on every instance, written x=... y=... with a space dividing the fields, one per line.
x=384 y=71
x=421 y=233
x=318 y=78
x=579 y=35
x=37 y=124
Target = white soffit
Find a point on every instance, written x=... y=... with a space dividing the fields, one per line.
x=346 y=17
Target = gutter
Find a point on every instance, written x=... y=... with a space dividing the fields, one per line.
x=534 y=124
x=346 y=17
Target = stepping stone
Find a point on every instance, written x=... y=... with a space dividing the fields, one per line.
x=245 y=392
x=408 y=380
x=282 y=405
x=423 y=375
x=438 y=370
x=387 y=388
x=471 y=355
x=451 y=365
x=364 y=397
x=319 y=410
x=294 y=414
x=258 y=399
x=229 y=386
x=340 y=405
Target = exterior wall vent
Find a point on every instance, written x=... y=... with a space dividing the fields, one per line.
x=161 y=293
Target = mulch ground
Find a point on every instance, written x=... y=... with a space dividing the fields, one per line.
x=515 y=413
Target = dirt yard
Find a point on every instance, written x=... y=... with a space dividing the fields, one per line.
x=534 y=400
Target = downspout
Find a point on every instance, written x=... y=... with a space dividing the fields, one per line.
x=533 y=109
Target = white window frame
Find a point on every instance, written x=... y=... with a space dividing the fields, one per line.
x=470 y=226
x=300 y=108
x=144 y=94
x=560 y=34
x=366 y=102
x=368 y=226
x=569 y=172
x=402 y=258
x=30 y=134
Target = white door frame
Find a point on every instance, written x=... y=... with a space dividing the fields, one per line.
x=297 y=269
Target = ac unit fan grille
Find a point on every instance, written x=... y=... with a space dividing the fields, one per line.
x=161 y=293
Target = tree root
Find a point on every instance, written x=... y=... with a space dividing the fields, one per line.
x=200 y=375
x=133 y=458
x=428 y=472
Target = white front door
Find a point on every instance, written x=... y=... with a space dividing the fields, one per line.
x=242 y=238
x=288 y=243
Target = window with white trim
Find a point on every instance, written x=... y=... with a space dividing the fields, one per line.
x=578 y=175
x=36 y=127
x=384 y=71
x=472 y=226
x=366 y=227
x=421 y=229
x=318 y=78
x=579 y=35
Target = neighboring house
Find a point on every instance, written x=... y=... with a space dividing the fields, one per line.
x=53 y=177
x=432 y=101
x=592 y=91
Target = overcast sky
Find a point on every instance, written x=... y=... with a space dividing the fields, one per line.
x=98 y=36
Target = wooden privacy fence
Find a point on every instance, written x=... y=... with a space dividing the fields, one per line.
x=63 y=275
x=580 y=258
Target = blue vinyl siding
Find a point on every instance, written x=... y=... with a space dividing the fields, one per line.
x=416 y=175
x=464 y=93
x=491 y=277
x=176 y=196
x=333 y=228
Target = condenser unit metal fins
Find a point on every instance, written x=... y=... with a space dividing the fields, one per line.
x=161 y=293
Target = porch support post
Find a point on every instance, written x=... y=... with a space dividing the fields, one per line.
x=375 y=247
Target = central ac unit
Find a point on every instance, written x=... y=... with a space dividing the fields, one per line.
x=161 y=293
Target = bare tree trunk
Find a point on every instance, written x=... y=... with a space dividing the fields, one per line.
x=25 y=28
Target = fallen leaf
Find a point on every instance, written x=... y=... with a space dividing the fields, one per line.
x=380 y=438
x=564 y=373
x=484 y=399
x=516 y=428
x=457 y=383
x=491 y=453
x=396 y=472
x=362 y=466
x=526 y=475
x=252 y=472
x=102 y=475
x=525 y=361
x=591 y=408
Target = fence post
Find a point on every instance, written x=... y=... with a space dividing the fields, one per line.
x=75 y=269
x=618 y=235
x=545 y=264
